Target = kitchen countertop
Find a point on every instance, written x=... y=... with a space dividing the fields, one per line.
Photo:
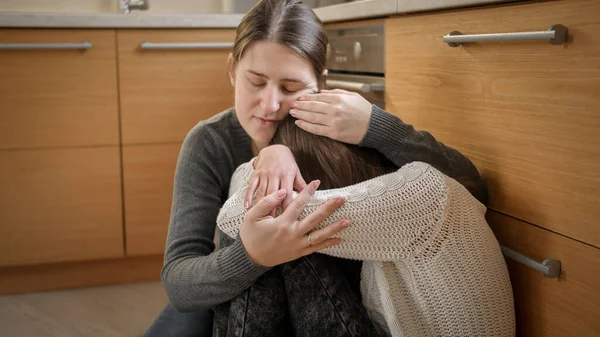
x=341 y=12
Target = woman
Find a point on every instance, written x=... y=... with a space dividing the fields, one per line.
x=277 y=61
x=432 y=265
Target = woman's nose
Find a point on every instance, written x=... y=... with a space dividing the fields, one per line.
x=270 y=101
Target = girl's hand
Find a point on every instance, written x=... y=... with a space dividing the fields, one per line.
x=272 y=241
x=338 y=114
x=274 y=169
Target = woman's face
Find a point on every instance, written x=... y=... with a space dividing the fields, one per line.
x=268 y=78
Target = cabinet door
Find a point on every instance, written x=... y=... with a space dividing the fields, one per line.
x=58 y=97
x=564 y=306
x=165 y=92
x=60 y=205
x=526 y=112
x=148 y=172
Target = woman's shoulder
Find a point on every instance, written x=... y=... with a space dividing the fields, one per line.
x=218 y=124
x=219 y=130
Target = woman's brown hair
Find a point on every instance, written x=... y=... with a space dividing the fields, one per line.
x=334 y=163
x=289 y=23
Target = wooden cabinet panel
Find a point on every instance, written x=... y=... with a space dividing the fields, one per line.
x=164 y=93
x=567 y=306
x=60 y=205
x=52 y=98
x=148 y=172
x=526 y=112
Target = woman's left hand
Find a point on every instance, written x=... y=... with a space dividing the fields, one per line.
x=338 y=114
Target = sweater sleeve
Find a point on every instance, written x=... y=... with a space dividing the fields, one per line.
x=392 y=216
x=402 y=144
x=194 y=276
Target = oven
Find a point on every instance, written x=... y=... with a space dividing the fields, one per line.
x=356 y=61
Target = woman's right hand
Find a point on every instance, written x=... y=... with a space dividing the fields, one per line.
x=272 y=241
x=274 y=168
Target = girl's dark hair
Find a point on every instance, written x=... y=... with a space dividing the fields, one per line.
x=287 y=22
x=335 y=163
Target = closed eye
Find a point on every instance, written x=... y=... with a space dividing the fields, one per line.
x=288 y=91
x=257 y=85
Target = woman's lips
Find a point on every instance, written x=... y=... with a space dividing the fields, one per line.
x=265 y=122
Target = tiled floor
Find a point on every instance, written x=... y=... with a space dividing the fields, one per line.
x=117 y=311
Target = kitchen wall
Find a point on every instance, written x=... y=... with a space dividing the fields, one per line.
x=238 y=6
x=104 y=6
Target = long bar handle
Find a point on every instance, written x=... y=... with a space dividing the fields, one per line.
x=549 y=267
x=356 y=86
x=191 y=45
x=29 y=46
x=556 y=34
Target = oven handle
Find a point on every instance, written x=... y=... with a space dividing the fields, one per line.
x=356 y=86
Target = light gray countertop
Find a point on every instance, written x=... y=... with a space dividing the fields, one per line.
x=341 y=12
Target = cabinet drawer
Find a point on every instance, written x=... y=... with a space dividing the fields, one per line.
x=526 y=112
x=564 y=306
x=60 y=205
x=148 y=172
x=58 y=97
x=165 y=92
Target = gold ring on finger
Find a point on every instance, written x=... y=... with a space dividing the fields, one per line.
x=308 y=239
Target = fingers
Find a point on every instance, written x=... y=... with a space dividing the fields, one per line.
x=311 y=117
x=312 y=106
x=272 y=187
x=320 y=246
x=316 y=129
x=266 y=205
x=299 y=183
x=287 y=183
x=297 y=205
x=322 y=97
x=261 y=191
x=327 y=232
x=313 y=219
x=322 y=238
x=336 y=91
x=250 y=191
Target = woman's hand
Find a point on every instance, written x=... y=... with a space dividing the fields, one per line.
x=275 y=168
x=337 y=114
x=272 y=241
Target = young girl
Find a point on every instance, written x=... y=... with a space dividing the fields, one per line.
x=432 y=266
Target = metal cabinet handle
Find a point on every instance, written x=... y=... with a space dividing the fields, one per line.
x=556 y=34
x=27 y=46
x=356 y=86
x=549 y=267
x=200 y=45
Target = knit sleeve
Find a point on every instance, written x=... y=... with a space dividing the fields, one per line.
x=392 y=216
x=402 y=143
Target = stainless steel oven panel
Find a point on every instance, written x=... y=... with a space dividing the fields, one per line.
x=371 y=88
x=359 y=49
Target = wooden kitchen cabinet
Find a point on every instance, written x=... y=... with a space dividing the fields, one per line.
x=60 y=179
x=60 y=205
x=527 y=113
x=54 y=98
x=165 y=92
x=564 y=306
x=89 y=141
x=148 y=172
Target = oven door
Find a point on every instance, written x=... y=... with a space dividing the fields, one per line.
x=371 y=88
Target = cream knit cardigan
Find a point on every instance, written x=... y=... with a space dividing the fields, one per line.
x=432 y=266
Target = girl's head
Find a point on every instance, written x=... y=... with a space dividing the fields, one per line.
x=335 y=163
x=278 y=55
